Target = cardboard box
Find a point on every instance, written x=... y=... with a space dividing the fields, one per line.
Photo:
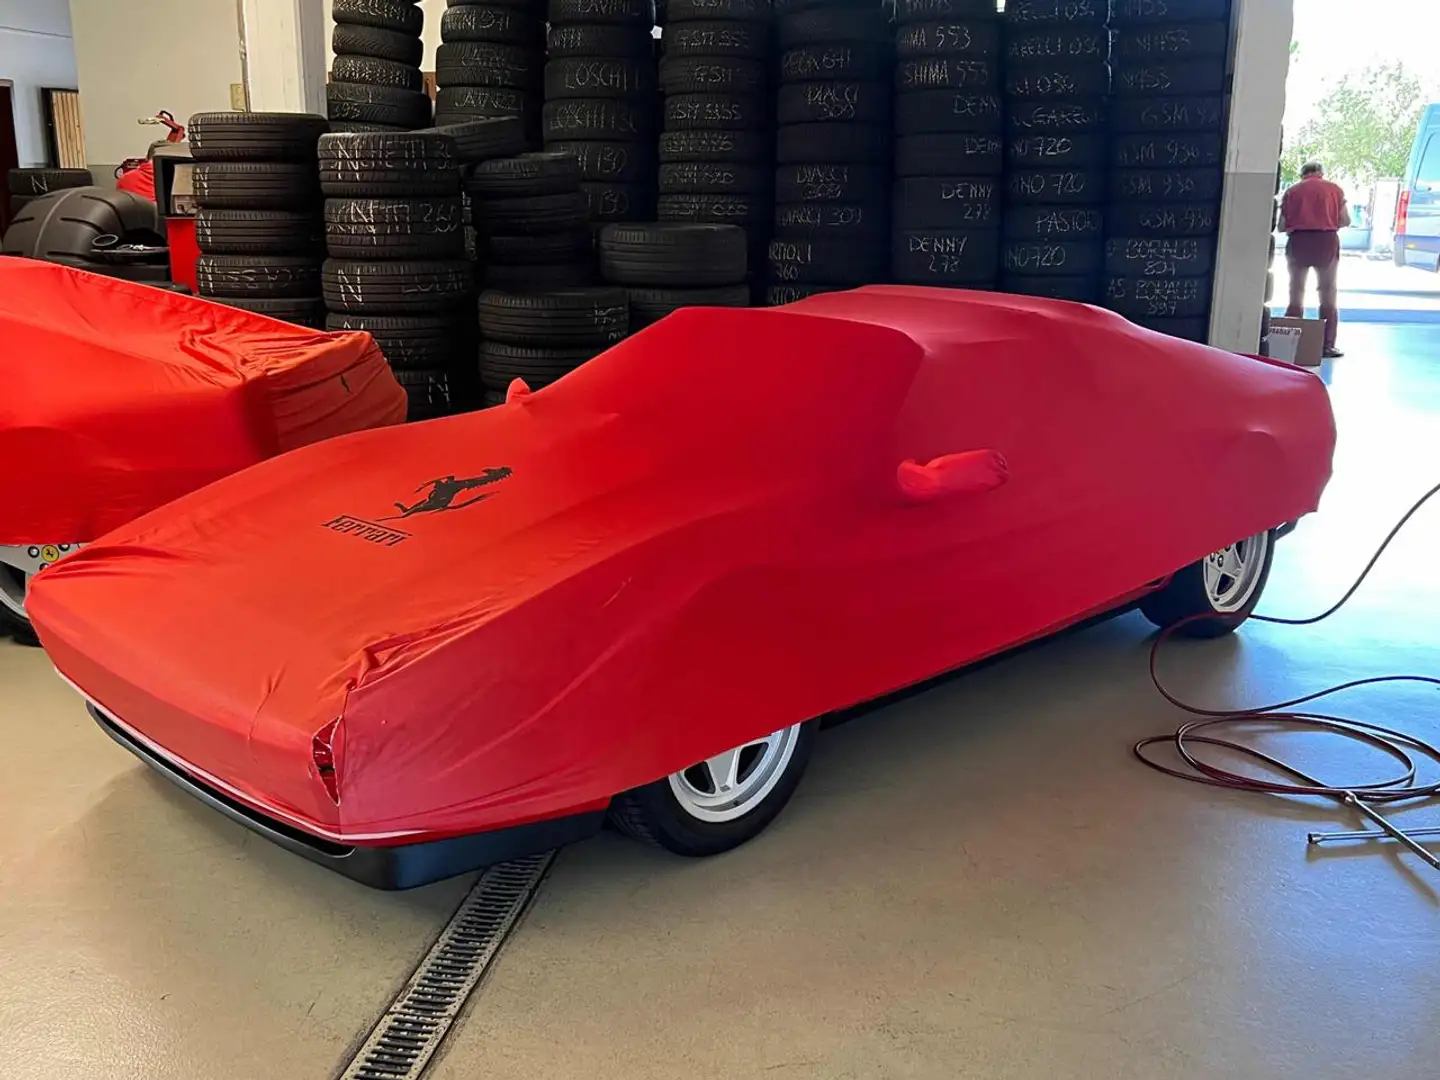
x=1297 y=341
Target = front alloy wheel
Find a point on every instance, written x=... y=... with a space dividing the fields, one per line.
x=1218 y=593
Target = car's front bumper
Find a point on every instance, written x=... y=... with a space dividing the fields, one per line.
x=402 y=866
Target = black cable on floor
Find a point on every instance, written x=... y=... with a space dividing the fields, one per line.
x=1399 y=745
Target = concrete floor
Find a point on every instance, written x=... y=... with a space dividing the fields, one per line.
x=977 y=882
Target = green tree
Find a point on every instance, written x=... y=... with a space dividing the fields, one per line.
x=1363 y=128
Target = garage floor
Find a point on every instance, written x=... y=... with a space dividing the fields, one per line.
x=978 y=881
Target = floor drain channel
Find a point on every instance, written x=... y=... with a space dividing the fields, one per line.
x=407 y=1036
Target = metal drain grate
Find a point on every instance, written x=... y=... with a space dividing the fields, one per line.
x=407 y=1036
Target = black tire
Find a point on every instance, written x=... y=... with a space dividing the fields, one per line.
x=948 y=257
x=822 y=259
x=597 y=118
x=501 y=25
x=1196 y=329
x=244 y=185
x=1167 y=298
x=598 y=77
x=1164 y=219
x=376 y=72
x=715 y=112
x=35 y=182
x=619 y=202
x=1056 y=187
x=483 y=140
x=824 y=143
x=483 y=63
x=1052 y=258
x=946 y=73
x=1155 y=256
x=679 y=13
x=613 y=161
x=1167 y=151
x=346 y=127
x=653 y=815
x=1144 y=12
x=396 y=288
x=1054 y=223
x=624 y=12
x=651 y=305
x=569 y=317
x=834 y=101
x=1032 y=151
x=351 y=40
x=464 y=104
x=780 y=294
x=978 y=38
x=19 y=201
x=430 y=392
x=367 y=229
x=399 y=165
x=711 y=75
x=909 y=11
x=1060 y=12
x=738 y=40
x=1083 y=289
x=717 y=146
x=259 y=277
x=1181 y=41
x=306 y=311
x=854 y=61
x=712 y=178
x=377 y=104
x=1050 y=44
x=566 y=211
x=742 y=210
x=1158 y=78
x=401 y=16
x=1185 y=114
x=795 y=218
x=501 y=363
x=941 y=154
x=526 y=175
x=577 y=247
x=922 y=112
x=1186 y=598
x=680 y=256
x=62 y=226
x=537 y=277
x=1057 y=117
x=408 y=342
x=258 y=232
x=1064 y=80
x=1166 y=185
x=839 y=25
x=592 y=39
x=932 y=202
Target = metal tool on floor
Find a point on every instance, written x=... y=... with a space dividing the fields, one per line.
x=1371 y=834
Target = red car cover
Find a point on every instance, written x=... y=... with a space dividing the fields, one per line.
x=732 y=522
x=118 y=397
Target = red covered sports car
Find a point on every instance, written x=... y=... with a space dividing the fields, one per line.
x=411 y=651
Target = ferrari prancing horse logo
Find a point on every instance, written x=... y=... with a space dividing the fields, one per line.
x=441 y=495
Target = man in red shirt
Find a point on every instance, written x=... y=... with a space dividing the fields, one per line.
x=1313 y=212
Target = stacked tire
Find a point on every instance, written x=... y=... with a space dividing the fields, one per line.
x=1166 y=174
x=375 y=81
x=538 y=337
x=948 y=157
x=259 y=225
x=717 y=146
x=668 y=265
x=832 y=148
x=394 y=229
x=27 y=185
x=531 y=220
x=600 y=102
x=1057 y=80
x=491 y=63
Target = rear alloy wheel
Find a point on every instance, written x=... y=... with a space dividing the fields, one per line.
x=1225 y=585
x=721 y=802
x=14 y=583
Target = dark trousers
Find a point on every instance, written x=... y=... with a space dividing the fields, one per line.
x=1319 y=251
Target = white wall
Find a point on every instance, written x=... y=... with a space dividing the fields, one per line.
x=36 y=52
x=433 y=9
x=136 y=57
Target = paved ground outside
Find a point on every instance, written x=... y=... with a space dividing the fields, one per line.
x=1371 y=291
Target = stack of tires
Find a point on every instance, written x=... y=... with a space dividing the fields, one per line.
x=1057 y=80
x=1166 y=174
x=259 y=226
x=600 y=102
x=539 y=337
x=491 y=62
x=832 y=148
x=375 y=82
x=26 y=185
x=531 y=221
x=948 y=157
x=669 y=265
x=394 y=228
x=717 y=146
